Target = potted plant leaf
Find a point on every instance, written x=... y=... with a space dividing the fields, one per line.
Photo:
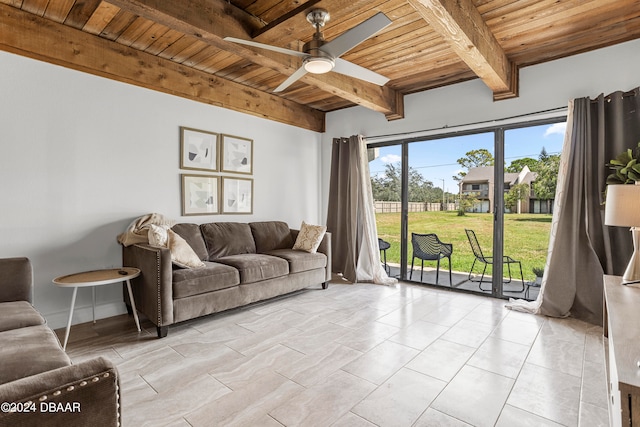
x=623 y=208
x=626 y=167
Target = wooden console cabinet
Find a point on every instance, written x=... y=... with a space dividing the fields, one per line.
x=621 y=329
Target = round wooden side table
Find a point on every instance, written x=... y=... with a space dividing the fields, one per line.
x=97 y=278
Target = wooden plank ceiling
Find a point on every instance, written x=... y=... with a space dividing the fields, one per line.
x=178 y=47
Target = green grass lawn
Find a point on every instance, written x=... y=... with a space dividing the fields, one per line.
x=526 y=237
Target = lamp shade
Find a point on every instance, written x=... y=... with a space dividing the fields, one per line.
x=623 y=205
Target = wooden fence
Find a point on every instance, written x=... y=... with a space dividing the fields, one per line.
x=395 y=207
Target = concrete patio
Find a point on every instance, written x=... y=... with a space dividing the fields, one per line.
x=460 y=280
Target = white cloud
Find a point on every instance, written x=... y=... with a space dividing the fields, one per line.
x=390 y=158
x=556 y=128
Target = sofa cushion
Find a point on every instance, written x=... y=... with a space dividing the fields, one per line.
x=256 y=267
x=270 y=235
x=18 y=314
x=227 y=238
x=300 y=260
x=16 y=276
x=212 y=277
x=192 y=234
x=29 y=351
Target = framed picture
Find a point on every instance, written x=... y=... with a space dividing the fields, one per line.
x=237 y=195
x=200 y=194
x=198 y=150
x=237 y=154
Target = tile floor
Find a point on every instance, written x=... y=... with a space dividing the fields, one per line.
x=357 y=355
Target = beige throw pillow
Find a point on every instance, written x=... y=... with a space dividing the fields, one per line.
x=309 y=237
x=182 y=254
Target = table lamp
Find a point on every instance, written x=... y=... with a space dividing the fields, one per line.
x=623 y=209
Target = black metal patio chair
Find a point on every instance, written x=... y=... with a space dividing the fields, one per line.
x=487 y=260
x=428 y=247
x=383 y=246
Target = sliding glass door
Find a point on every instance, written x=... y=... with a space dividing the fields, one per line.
x=532 y=156
x=476 y=199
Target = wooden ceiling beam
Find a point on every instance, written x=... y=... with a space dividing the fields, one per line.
x=211 y=21
x=30 y=35
x=463 y=29
x=300 y=9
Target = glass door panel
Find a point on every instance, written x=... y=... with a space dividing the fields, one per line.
x=450 y=190
x=385 y=168
x=532 y=156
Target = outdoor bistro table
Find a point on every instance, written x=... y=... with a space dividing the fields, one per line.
x=97 y=278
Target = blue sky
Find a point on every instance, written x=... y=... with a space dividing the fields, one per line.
x=436 y=159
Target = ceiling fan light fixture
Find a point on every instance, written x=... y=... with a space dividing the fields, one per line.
x=320 y=56
x=319 y=65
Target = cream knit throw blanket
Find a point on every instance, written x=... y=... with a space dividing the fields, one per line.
x=137 y=231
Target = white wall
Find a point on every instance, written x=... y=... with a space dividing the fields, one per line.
x=82 y=156
x=542 y=87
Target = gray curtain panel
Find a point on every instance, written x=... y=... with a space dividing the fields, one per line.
x=581 y=247
x=342 y=215
x=351 y=218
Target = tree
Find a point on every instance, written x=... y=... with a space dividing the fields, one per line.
x=466 y=202
x=419 y=188
x=516 y=193
x=517 y=165
x=547 y=177
x=474 y=159
x=388 y=186
x=543 y=156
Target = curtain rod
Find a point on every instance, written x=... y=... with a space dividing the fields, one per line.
x=632 y=92
x=550 y=113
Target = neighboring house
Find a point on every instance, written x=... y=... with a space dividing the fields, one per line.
x=479 y=181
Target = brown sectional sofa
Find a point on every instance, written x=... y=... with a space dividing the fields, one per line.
x=244 y=263
x=38 y=383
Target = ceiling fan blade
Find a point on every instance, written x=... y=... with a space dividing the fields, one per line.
x=292 y=79
x=266 y=46
x=353 y=37
x=352 y=70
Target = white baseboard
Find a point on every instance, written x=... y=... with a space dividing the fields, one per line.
x=83 y=314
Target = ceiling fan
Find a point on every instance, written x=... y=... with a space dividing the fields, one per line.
x=320 y=56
